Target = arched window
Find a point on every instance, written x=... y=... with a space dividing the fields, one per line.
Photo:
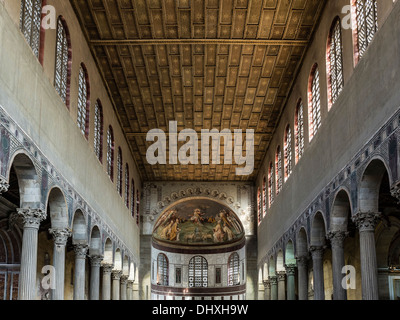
x=137 y=207
x=233 y=270
x=110 y=153
x=278 y=172
x=299 y=131
x=30 y=23
x=133 y=198
x=259 y=209
x=127 y=185
x=198 y=272
x=83 y=101
x=335 y=62
x=271 y=184
x=119 y=172
x=162 y=270
x=314 y=99
x=98 y=130
x=62 y=77
x=366 y=16
x=264 y=197
x=288 y=152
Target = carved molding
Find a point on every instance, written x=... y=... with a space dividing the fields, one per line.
x=3 y=186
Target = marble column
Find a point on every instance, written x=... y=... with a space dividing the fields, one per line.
x=337 y=243
x=31 y=219
x=290 y=272
x=79 y=275
x=116 y=279
x=267 y=290
x=129 y=290
x=135 y=290
x=281 y=285
x=95 y=264
x=366 y=222
x=302 y=268
x=317 y=253
x=60 y=237
x=124 y=284
x=274 y=287
x=106 y=288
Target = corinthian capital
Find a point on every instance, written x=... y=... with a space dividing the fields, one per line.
x=124 y=279
x=290 y=269
x=116 y=274
x=60 y=236
x=107 y=267
x=366 y=221
x=337 y=238
x=81 y=250
x=317 y=251
x=3 y=186
x=96 y=260
x=31 y=218
x=395 y=191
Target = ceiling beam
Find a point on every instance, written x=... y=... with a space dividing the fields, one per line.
x=114 y=42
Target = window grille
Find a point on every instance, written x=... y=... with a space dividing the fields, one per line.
x=30 y=23
x=299 y=123
x=288 y=153
x=335 y=62
x=198 y=272
x=233 y=270
x=62 y=59
x=367 y=23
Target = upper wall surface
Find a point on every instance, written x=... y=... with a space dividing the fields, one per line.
x=371 y=95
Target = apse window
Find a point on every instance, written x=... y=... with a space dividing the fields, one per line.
x=198 y=272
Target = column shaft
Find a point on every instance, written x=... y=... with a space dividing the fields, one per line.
x=366 y=222
x=60 y=237
x=79 y=275
x=281 y=285
x=95 y=277
x=116 y=278
x=318 y=272
x=337 y=240
x=290 y=272
x=302 y=267
x=106 y=289
x=31 y=219
x=274 y=287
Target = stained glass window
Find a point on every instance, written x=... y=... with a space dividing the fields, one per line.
x=198 y=272
x=30 y=23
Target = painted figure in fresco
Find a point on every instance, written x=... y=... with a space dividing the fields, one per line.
x=197 y=217
x=166 y=230
x=228 y=232
x=218 y=232
x=165 y=219
x=174 y=232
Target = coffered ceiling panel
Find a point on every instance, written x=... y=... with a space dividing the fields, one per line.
x=207 y=64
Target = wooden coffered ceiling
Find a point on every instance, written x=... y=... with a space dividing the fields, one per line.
x=223 y=64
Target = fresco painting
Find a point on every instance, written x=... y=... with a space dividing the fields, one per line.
x=198 y=222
